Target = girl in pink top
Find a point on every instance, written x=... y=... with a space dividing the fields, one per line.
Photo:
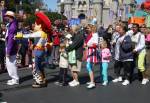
x=105 y=59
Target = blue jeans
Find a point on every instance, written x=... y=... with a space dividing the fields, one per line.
x=105 y=71
x=54 y=55
x=39 y=56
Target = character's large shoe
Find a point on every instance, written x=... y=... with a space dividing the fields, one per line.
x=40 y=80
x=39 y=85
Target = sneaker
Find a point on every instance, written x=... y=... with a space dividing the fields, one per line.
x=119 y=79
x=115 y=80
x=126 y=82
x=9 y=81
x=58 y=83
x=145 y=81
x=12 y=82
x=105 y=83
x=88 y=83
x=74 y=84
x=90 y=86
x=30 y=66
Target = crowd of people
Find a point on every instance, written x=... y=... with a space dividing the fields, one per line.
x=127 y=46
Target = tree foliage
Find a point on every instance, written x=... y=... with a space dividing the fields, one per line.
x=27 y=5
x=30 y=19
x=53 y=16
x=11 y=5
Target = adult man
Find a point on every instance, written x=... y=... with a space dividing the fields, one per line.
x=11 y=48
x=77 y=45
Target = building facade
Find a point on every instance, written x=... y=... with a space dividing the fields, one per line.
x=105 y=11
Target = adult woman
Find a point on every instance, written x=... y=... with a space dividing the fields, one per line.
x=139 y=50
x=125 y=53
x=91 y=44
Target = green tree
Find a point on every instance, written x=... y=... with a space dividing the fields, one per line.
x=53 y=16
x=11 y=5
x=27 y=8
x=30 y=19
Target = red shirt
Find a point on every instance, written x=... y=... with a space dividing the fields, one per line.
x=56 y=38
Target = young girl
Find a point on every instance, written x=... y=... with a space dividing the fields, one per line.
x=105 y=59
x=63 y=66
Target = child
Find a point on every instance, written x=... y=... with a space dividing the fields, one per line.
x=63 y=66
x=105 y=59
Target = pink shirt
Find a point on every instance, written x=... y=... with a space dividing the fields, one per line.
x=105 y=55
x=148 y=38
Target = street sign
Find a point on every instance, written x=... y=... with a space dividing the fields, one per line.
x=74 y=21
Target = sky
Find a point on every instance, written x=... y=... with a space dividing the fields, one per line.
x=139 y=1
x=52 y=4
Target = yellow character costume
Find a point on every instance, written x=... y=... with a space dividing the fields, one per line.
x=42 y=28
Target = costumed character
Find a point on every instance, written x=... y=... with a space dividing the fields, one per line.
x=40 y=34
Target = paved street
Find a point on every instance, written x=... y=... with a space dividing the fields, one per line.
x=113 y=93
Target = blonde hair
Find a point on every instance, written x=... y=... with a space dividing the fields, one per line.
x=93 y=28
x=62 y=46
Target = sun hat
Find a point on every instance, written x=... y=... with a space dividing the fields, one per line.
x=10 y=13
